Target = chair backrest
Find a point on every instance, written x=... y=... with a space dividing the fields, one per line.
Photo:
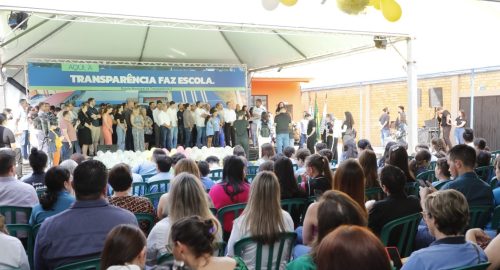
x=408 y=226
x=296 y=207
x=83 y=265
x=13 y=213
x=158 y=186
x=412 y=188
x=35 y=229
x=252 y=169
x=284 y=250
x=216 y=175
x=427 y=176
x=24 y=231
x=231 y=211
x=494 y=183
x=374 y=193
x=145 y=218
x=140 y=188
x=482 y=266
x=145 y=177
x=478 y=216
x=167 y=257
x=495 y=219
x=154 y=198
x=432 y=165
x=485 y=173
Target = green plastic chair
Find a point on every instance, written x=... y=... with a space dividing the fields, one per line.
x=296 y=207
x=158 y=186
x=412 y=188
x=145 y=177
x=485 y=173
x=139 y=188
x=429 y=176
x=295 y=167
x=494 y=183
x=10 y=213
x=482 y=266
x=216 y=175
x=167 y=257
x=284 y=250
x=154 y=198
x=495 y=219
x=408 y=226
x=432 y=165
x=374 y=193
x=478 y=216
x=145 y=218
x=24 y=231
x=252 y=170
x=83 y=265
x=233 y=209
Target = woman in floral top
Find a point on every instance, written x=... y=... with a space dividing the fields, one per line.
x=148 y=129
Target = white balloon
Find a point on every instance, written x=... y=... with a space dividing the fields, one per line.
x=270 y=4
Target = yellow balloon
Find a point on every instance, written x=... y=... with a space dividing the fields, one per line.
x=391 y=10
x=375 y=4
x=288 y=2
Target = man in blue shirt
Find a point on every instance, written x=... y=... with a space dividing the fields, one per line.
x=78 y=233
x=163 y=165
x=446 y=213
x=204 y=171
x=462 y=160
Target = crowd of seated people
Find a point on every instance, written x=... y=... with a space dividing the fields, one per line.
x=336 y=227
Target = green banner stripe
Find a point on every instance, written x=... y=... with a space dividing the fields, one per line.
x=111 y=88
x=79 y=67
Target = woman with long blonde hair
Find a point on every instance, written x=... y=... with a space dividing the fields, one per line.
x=186 y=198
x=262 y=219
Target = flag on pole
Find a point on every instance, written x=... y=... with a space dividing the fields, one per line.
x=323 y=118
x=310 y=105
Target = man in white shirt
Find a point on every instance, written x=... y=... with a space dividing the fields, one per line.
x=256 y=115
x=172 y=115
x=303 y=130
x=189 y=122
x=229 y=116
x=156 y=126
x=22 y=127
x=164 y=123
x=12 y=191
x=201 y=114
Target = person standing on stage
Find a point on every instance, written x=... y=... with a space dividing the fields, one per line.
x=149 y=113
x=256 y=117
x=460 y=123
x=241 y=129
x=337 y=133
x=282 y=122
x=311 y=133
x=201 y=115
x=129 y=139
x=164 y=123
x=156 y=127
x=444 y=119
x=348 y=132
x=121 y=126
x=22 y=127
x=303 y=131
x=95 y=128
x=188 y=118
x=401 y=124
x=384 y=121
x=229 y=116
x=172 y=115
x=328 y=132
x=180 y=125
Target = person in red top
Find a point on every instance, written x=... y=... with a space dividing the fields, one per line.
x=232 y=190
x=69 y=135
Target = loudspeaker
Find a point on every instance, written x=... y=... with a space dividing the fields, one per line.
x=436 y=97
x=105 y=148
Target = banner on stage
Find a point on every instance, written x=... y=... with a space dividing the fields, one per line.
x=112 y=83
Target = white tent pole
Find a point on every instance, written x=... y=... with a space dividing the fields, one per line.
x=412 y=98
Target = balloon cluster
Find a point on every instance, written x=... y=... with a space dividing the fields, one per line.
x=390 y=8
x=273 y=4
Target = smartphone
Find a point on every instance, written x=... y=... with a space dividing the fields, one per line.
x=393 y=254
x=423 y=183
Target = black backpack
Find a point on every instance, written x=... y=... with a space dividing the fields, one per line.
x=265 y=131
